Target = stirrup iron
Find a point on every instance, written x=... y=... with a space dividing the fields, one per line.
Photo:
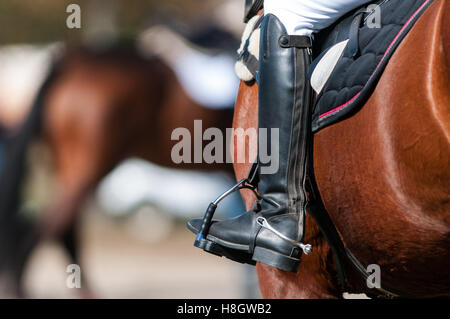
x=209 y=214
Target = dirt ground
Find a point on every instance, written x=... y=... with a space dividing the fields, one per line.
x=118 y=263
x=136 y=257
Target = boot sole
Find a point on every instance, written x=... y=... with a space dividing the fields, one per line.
x=262 y=255
x=236 y=253
x=239 y=256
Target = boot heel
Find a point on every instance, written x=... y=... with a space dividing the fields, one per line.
x=275 y=259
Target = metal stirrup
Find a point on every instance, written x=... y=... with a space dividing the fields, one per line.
x=265 y=224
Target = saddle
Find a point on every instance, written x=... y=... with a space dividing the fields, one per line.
x=349 y=56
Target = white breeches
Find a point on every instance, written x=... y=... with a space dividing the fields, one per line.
x=304 y=17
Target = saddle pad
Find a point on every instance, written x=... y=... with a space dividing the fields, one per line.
x=365 y=49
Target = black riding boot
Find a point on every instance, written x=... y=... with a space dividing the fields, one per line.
x=272 y=232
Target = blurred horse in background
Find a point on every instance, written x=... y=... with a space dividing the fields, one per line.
x=95 y=109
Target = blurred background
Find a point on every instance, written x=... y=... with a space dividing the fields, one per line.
x=86 y=176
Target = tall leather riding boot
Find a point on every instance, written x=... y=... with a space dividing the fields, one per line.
x=272 y=232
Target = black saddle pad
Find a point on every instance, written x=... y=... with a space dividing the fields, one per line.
x=364 y=58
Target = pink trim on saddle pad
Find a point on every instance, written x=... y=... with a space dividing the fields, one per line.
x=340 y=107
x=379 y=63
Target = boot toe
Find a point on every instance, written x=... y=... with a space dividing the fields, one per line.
x=234 y=233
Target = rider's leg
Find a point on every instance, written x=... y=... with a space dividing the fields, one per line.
x=284 y=106
x=272 y=232
x=304 y=17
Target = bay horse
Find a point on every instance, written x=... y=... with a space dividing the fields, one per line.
x=383 y=175
x=95 y=109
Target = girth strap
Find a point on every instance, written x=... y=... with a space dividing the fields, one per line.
x=353 y=44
